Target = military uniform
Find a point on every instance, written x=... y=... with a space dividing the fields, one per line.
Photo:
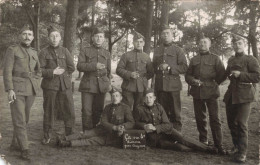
x=132 y=89
x=21 y=74
x=94 y=83
x=57 y=87
x=164 y=131
x=239 y=95
x=103 y=134
x=209 y=69
x=167 y=83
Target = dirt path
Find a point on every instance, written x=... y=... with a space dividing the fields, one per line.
x=46 y=155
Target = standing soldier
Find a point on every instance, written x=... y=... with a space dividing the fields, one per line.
x=169 y=61
x=135 y=67
x=95 y=62
x=21 y=81
x=57 y=68
x=243 y=71
x=204 y=74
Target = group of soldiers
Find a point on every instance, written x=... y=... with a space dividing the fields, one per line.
x=155 y=110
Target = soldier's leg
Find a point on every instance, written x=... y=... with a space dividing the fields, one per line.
x=49 y=97
x=87 y=102
x=168 y=143
x=97 y=141
x=243 y=112
x=67 y=108
x=215 y=124
x=176 y=110
x=29 y=102
x=128 y=98
x=98 y=106
x=86 y=134
x=138 y=99
x=163 y=99
x=201 y=119
x=231 y=113
x=19 y=121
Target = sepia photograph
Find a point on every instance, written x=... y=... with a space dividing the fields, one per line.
x=129 y=82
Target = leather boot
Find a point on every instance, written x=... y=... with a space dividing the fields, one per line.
x=68 y=131
x=25 y=155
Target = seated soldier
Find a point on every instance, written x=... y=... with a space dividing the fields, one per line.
x=115 y=119
x=151 y=117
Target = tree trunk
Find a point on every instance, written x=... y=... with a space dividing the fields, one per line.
x=149 y=25
x=165 y=12
x=93 y=14
x=71 y=24
x=109 y=28
x=36 y=26
x=126 y=41
x=252 y=28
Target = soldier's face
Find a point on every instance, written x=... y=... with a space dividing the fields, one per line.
x=239 y=46
x=139 y=44
x=149 y=99
x=167 y=36
x=55 y=38
x=98 y=39
x=116 y=97
x=27 y=37
x=204 y=44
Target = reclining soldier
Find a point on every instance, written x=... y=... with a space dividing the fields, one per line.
x=152 y=118
x=115 y=119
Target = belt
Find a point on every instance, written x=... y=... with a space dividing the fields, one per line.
x=23 y=74
x=245 y=83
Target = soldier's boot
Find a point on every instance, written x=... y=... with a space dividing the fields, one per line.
x=174 y=146
x=14 y=145
x=60 y=138
x=233 y=151
x=46 y=138
x=25 y=155
x=64 y=143
x=68 y=131
x=240 y=158
x=221 y=150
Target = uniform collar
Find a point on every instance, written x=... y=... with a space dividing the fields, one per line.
x=204 y=53
x=168 y=44
x=97 y=47
x=138 y=51
x=52 y=47
x=24 y=45
x=239 y=54
x=115 y=105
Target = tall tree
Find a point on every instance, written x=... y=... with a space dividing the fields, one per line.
x=71 y=24
x=165 y=12
x=149 y=25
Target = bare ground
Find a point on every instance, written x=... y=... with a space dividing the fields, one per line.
x=50 y=154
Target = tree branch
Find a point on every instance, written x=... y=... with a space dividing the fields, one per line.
x=31 y=18
x=119 y=37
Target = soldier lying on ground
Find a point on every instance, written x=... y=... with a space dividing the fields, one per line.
x=115 y=119
x=151 y=117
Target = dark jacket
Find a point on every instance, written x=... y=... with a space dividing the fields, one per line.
x=152 y=115
x=135 y=61
x=242 y=89
x=93 y=80
x=22 y=71
x=51 y=58
x=209 y=69
x=174 y=56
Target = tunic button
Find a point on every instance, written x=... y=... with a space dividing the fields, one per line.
x=97 y=77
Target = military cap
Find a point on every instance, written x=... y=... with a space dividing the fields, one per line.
x=236 y=38
x=138 y=36
x=114 y=89
x=52 y=29
x=149 y=90
x=26 y=27
x=97 y=30
x=165 y=27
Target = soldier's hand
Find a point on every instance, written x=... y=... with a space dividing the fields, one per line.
x=11 y=96
x=135 y=75
x=197 y=82
x=149 y=128
x=100 y=66
x=163 y=66
x=58 y=71
x=235 y=73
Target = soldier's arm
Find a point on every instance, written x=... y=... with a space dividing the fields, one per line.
x=253 y=74
x=149 y=68
x=138 y=122
x=130 y=122
x=70 y=62
x=189 y=78
x=46 y=72
x=165 y=126
x=121 y=68
x=220 y=71
x=83 y=65
x=37 y=69
x=182 y=65
x=104 y=120
x=8 y=68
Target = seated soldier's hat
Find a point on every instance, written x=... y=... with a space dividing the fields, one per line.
x=114 y=89
x=236 y=38
x=138 y=36
x=149 y=90
x=52 y=28
x=97 y=30
x=26 y=27
x=165 y=27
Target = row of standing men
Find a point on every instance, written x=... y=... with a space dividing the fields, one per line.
x=23 y=69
